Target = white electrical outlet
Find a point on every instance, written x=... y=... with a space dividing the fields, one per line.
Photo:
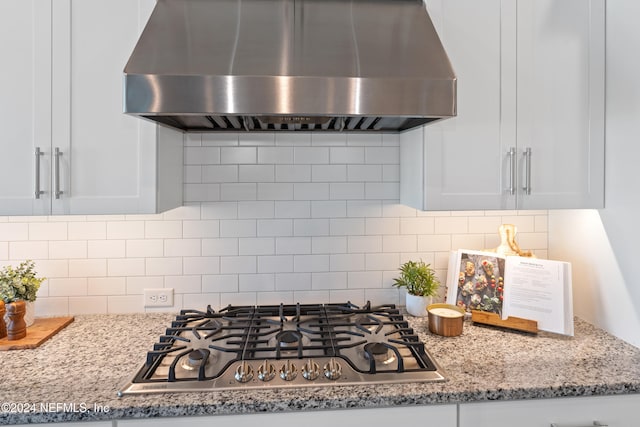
x=160 y=297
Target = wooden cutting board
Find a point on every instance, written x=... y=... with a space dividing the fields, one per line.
x=41 y=330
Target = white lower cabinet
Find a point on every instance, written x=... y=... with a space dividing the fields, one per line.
x=612 y=411
x=431 y=415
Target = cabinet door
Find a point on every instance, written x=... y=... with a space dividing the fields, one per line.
x=431 y=415
x=613 y=411
x=561 y=103
x=462 y=163
x=109 y=159
x=25 y=106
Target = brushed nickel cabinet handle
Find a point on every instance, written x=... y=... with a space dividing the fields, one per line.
x=56 y=174
x=512 y=170
x=527 y=171
x=38 y=192
x=595 y=423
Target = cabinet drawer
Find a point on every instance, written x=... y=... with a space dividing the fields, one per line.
x=613 y=411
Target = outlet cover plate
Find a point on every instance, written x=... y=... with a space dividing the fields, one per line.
x=160 y=297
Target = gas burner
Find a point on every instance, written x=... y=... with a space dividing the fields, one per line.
x=196 y=358
x=284 y=346
x=289 y=339
x=379 y=352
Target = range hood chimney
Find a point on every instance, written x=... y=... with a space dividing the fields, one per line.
x=269 y=65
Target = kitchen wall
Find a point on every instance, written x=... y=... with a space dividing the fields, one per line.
x=603 y=245
x=268 y=218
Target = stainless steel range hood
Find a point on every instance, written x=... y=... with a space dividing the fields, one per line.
x=264 y=65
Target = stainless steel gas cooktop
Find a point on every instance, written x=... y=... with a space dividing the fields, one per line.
x=287 y=345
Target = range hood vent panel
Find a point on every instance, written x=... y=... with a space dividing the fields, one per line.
x=210 y=65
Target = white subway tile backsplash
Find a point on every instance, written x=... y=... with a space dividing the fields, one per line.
x=293 y=245
x=293 y=281
x=125 y=267
x=182 y=247
x=200 y=229
x=328 y=208
x=67 y=287
x=274 y=191
x=201 y=192
x=257 y=173
x=311 y=155
x=201 y=265
x=311 y=191
x=256 y=282
x=88 y=305
x=106 y=286
x=217 y=139
x=346 y=190
x=275 y=264
x=194 y=155
x=32 y=250
x=219 y=210
x=343 y=155
x=364 y=279
x=101 y=249
x=238 y=191
x=333 y=280
x=87 y=268
x=238 y=155
x=12 y=232
x=184 y=284
x=257 y=246
x=125 y=230
x=364 y=244
x=268 y=218
x=382 y=155
x=382 y=190
x=238 y=228
x=48 y=231
x=219 y=283
x=310 y=227
x=347 y=262
x=364 y=173
x=255 y=209
x=138 y=248
x=293 y=173
x=257 y=139
x=328 y=245
x=275 y=227
x=310 y=263
x=328 y=139
x=328 y=173
x=218 y=174
x=275 y=155
x=238 y=264
x=67 y=249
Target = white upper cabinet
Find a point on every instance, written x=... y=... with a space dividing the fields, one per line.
x=530 y=127
x=25 y=106
x=96 y=160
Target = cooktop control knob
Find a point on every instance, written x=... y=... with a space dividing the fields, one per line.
x=332 y=369
x=310 y=370
x=288 y=372
x=266 y=371
x=244 y=372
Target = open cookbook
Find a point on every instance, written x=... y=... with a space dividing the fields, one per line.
x=527 y=288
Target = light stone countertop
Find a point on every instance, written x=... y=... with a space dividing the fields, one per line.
x=95 y=356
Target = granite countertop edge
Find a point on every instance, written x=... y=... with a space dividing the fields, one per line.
x=571 y=367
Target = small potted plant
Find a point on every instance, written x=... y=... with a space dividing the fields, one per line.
x=20 y=284
x=421 y=283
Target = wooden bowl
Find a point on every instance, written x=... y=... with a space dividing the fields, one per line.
x=445 y=319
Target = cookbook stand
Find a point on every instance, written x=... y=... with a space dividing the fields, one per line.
x=493 y=319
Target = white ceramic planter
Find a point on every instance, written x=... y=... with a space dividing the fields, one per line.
x=417 y=305
x=29 y=315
